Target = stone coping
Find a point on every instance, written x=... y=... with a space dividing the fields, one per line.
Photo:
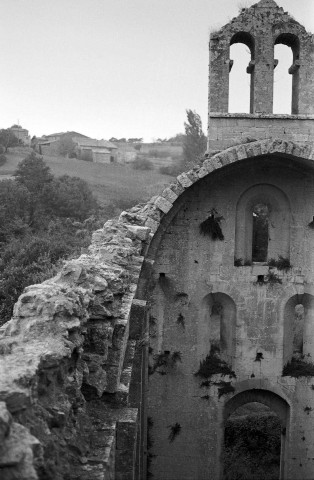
x=272 y=116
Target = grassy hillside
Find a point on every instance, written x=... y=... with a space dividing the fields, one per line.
x=112 y=184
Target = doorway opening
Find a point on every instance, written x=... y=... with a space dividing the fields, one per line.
x=252 y=444
x=256 y=432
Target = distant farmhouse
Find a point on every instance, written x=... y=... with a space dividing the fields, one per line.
x=85 y=148
x=21 y=134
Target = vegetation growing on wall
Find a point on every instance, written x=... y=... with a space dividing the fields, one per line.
x=213 y=365
x=211 y=226
x=164 y=361
x=282 y=263
x=297 y=367
x=174 y=431
x=272 y=278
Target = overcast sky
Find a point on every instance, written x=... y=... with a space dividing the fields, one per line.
x=122 y=68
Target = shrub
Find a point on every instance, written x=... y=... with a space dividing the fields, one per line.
x=68 y=197
x=156 y=153
x=282 y=263
x=3 y=159
x=172 y=170
x=252 y=447
x=142 y=164
x=297 y=367
x=213 y=365
x=2 y=149
x=211 y=226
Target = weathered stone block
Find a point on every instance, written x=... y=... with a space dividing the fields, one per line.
x=185 y=180
x=163 y=204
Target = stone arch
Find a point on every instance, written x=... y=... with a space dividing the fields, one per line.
x=248 y=40
x=168 y=199
x=279 y=221
x=292 y=40
x=218 y=325
x=272 y=400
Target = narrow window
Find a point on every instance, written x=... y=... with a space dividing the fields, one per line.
x=298 y=326
x=260 y=233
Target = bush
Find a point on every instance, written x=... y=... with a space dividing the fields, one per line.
x=3 y=159
x=142 y=164
x=156 y=153
x=252 y=448
x=68 y=197
x=172 y=170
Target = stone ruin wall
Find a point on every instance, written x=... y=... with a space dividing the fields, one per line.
x=72 y=355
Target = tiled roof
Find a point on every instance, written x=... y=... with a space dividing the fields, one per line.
x=91 y=142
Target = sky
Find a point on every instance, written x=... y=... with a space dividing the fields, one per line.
x=112 y=68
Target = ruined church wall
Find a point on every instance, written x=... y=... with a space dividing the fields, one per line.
x=72 y=365
x=191 y=273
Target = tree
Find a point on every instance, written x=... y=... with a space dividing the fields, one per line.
x=194 y=145
x=15 y=202
x=68 y=197
x=66 y=146
x=8 y=139
x=33 y=173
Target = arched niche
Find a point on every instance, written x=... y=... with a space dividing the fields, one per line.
x=278 y=222
x=292 y=41
x=237 y=80
x=298 y=335
x=275 y=403
x=218 y=313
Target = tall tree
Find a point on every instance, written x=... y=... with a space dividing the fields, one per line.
x=66 y=146
x=8 y=139
x=33 y=173
x=194 y=145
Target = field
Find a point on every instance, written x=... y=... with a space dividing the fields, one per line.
x=118 y=185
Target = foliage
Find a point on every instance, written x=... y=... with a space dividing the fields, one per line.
x=272 y=278
x=3 y=159
x=297 y=367
x=34 y=233
x=142 y=164
x=8 y=139
x=158 y=153
x=66 y=146
x=174 y=431
x=173 y=169
x=194 y=145
x=282 y=263
x=213 y=365
x=211 y=226
x=252 y=447
x=15 y=202
x=180 y=320
x=224 y=388
x=238 y=262
x=68 y=197
x=166 y=360
x=33 y=173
